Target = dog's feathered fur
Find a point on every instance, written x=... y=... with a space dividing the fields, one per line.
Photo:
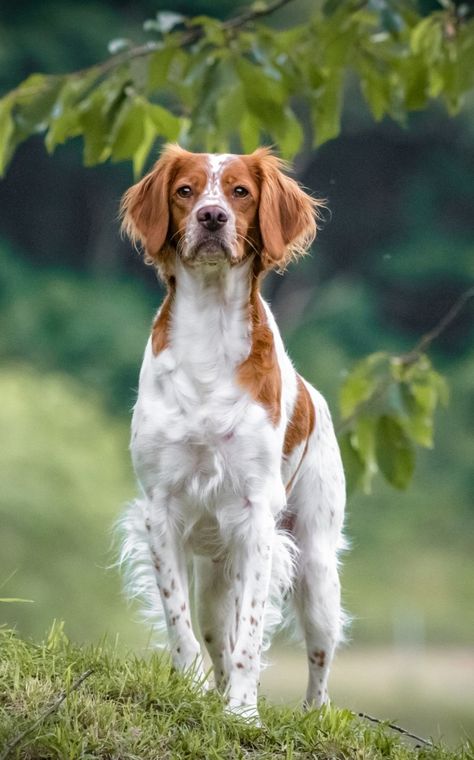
x=235 y=453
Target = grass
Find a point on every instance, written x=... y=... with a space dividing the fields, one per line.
x=130 y=708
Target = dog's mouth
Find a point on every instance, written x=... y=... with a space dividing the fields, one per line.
x=210 y=250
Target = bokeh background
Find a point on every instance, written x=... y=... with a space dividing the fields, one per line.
x=75 y=308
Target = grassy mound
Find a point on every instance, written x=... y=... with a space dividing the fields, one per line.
x=129 y=708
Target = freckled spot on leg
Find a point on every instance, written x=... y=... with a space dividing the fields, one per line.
x=319 y=692
x=245 y=696
x=147 y=524
x=238 y=576
x=183 y=606
x=320 y=657
x=188 y=623
x=253 y=603
x=240 y=665
x=253 y=621
x=244 y=651
x=178 y=649
x=207 y=638
x=173 y=585
x=166 y=593
x=257 y=576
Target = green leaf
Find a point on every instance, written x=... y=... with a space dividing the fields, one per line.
x=128 y=130
x=64 y=122
x=326 y=108
x=249 y=132
x=143 y=150
x=34 y=103
x=427 y=37
x=265 y=96
x=419 y=413
x=361 y=383
x=7 y=127
x=394 y=452
x=353 y=465
x=95 y=125
x=363 y=440
x=165 y=122
x=288 y=133
x=159 y=67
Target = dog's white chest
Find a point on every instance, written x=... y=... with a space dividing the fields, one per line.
x=198 y=437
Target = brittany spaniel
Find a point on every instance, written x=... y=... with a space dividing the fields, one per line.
x=235 y=453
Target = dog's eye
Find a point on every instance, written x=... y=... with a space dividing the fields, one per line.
x=240 y=192
x=184 y=192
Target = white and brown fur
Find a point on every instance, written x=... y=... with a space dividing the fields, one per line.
x=235 y=453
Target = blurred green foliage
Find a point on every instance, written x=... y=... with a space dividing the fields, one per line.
x=65 y=470
x=95 y=330
x=219 y=85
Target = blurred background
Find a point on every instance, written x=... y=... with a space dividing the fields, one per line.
x=76 y=304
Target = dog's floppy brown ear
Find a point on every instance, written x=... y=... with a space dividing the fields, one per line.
x=145 y=206
x=287 y=215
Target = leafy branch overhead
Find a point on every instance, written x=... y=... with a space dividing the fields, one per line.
x=387 y=406
x=217 y=85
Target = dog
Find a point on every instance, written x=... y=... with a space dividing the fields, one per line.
x=235 y=453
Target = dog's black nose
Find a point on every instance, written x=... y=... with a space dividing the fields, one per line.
x=212 y=217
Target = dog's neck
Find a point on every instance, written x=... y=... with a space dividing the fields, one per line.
x=211 y=308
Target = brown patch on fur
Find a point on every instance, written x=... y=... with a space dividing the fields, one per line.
x=207 y=638
x=299 y=428
x=301 y=424
x=161 y=326
x=166 y=593
x=260 y=373
x=240 y=665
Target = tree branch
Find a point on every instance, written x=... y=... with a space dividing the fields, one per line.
x=427 y=339
x=411 y=356
x=51 y=709
x=194 y=34
x=396 y=728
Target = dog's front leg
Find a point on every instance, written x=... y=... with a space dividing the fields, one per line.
x=251 y=561
x=169 y=562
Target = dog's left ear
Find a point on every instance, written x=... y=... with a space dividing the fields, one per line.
x=287 y=215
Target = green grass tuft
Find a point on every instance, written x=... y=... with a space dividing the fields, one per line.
x=132 y=708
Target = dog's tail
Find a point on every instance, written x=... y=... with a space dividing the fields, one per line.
x=284 y=559
x=136 y=564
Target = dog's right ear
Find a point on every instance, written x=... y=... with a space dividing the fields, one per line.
x=145 y=206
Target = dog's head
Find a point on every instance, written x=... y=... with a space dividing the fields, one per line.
x=214 y=209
